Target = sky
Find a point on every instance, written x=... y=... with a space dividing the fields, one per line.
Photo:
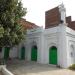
x=36 y=9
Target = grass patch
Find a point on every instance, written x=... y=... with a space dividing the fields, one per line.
x=72 y=67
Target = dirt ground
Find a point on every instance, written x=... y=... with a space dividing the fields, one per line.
x=1 y=73
x=32 y=68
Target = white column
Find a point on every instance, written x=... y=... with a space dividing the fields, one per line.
x=62 y=46
x=42 y=48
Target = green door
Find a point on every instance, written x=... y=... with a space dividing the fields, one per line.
x=23 y=53
x=53 y=55
x=6 y=53
x=34 y=53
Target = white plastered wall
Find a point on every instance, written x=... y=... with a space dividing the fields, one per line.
x=34 y=38
x=55 y=36
x=49 y=42
x=14 y=52
x=71 y=42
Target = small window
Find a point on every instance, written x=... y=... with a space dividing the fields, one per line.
x=0 y=49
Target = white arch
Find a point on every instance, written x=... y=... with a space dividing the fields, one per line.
x=52 y=44
x=33 y=43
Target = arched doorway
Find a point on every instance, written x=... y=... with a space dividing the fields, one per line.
x=34 y=53
x=6 y=52
x=23 y=53
x=53 y=55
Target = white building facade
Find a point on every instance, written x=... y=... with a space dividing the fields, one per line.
x=54 y=45
x=60 y=39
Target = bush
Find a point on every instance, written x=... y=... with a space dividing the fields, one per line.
x=72 y=67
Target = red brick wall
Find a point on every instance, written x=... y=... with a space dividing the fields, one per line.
x=52 y=18
x=71 y=23
x=68 y=19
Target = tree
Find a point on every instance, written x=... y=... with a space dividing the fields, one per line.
x=11 y=31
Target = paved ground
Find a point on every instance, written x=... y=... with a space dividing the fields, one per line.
x=32 y=68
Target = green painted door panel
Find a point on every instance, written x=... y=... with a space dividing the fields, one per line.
x=6 y=53
x=34 y=54
x=53 y=55
x=23 y=53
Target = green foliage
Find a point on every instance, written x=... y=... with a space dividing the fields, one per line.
x=72 y=67
x=11 y=32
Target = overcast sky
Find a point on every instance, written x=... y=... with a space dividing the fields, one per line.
x=36 y=9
